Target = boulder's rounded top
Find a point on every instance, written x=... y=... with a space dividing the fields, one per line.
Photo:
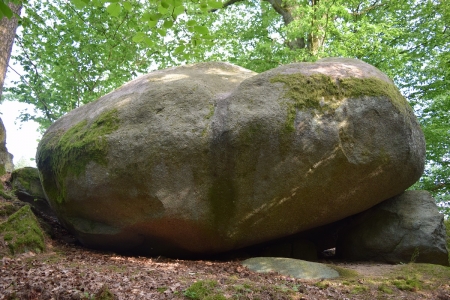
x=336 y=67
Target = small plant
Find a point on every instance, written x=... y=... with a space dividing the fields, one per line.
x=407 y=284
x=104 y=294
x=203 y=290
x=385 y=288
x=415 y=255
x=322 y=284
x=5 y=195
x=359 y=289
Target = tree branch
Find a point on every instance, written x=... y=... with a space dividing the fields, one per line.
x=366 y=10
x=46 y=109
x=226 y=4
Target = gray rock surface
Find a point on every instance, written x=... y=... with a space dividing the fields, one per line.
x=27 y=187
x=211 y=157
x=6 y=158
x=406 y=228
x=290 y=267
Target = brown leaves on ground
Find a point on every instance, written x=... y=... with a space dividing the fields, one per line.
x=68 y=271
x=72 y=272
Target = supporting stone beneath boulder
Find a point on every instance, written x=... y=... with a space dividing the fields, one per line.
x=406 y=228
x=27 y=187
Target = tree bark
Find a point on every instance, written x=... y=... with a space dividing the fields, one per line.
x=313 y=41
x=7 y=34
x=285 y=11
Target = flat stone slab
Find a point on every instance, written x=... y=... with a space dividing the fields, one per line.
x=296 y=268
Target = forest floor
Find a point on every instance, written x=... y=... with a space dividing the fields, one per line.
x=66 y=270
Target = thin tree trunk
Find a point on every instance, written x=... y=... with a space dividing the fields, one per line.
x=314 y=41
x=285 y=11
x=7 y=34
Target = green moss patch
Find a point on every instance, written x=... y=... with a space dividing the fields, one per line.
x=22 y=233
x=5 y=195
x=67 y=153
x=27 y=180
x=345 y=273
x=407 y=284
x=25 y=175
x=324 y=93
x=204 y=289
x=7 y=209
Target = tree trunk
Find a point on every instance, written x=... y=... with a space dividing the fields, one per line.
x=7 y=34
x=314 y=40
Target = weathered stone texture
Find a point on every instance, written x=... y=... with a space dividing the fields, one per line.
x=211 y=157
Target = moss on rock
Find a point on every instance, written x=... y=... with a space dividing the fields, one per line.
x=27 y=180
x=67 y=153
x=324 y=93
x=22 y=233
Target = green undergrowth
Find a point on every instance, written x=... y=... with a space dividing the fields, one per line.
x=345 y=273
x=5 y=194
x=67 y=153
x=21 y=232
x=410 y=278
x=7 y=209
x=324 y=93
x=204 y=290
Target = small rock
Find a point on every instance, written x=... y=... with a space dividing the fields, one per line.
x=290 y=267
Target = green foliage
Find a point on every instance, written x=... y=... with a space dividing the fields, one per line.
x=359 y=289
x=203 y=290
x=407 y=284
x=71 y=57
x=5 y=11
x=385 y=288
x=7 y=209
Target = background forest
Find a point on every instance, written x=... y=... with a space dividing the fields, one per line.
x=72 y=52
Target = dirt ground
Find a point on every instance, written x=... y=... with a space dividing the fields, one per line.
x=66 y=270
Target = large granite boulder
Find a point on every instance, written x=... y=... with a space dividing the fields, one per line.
x=406 y=228
x=211 y=157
